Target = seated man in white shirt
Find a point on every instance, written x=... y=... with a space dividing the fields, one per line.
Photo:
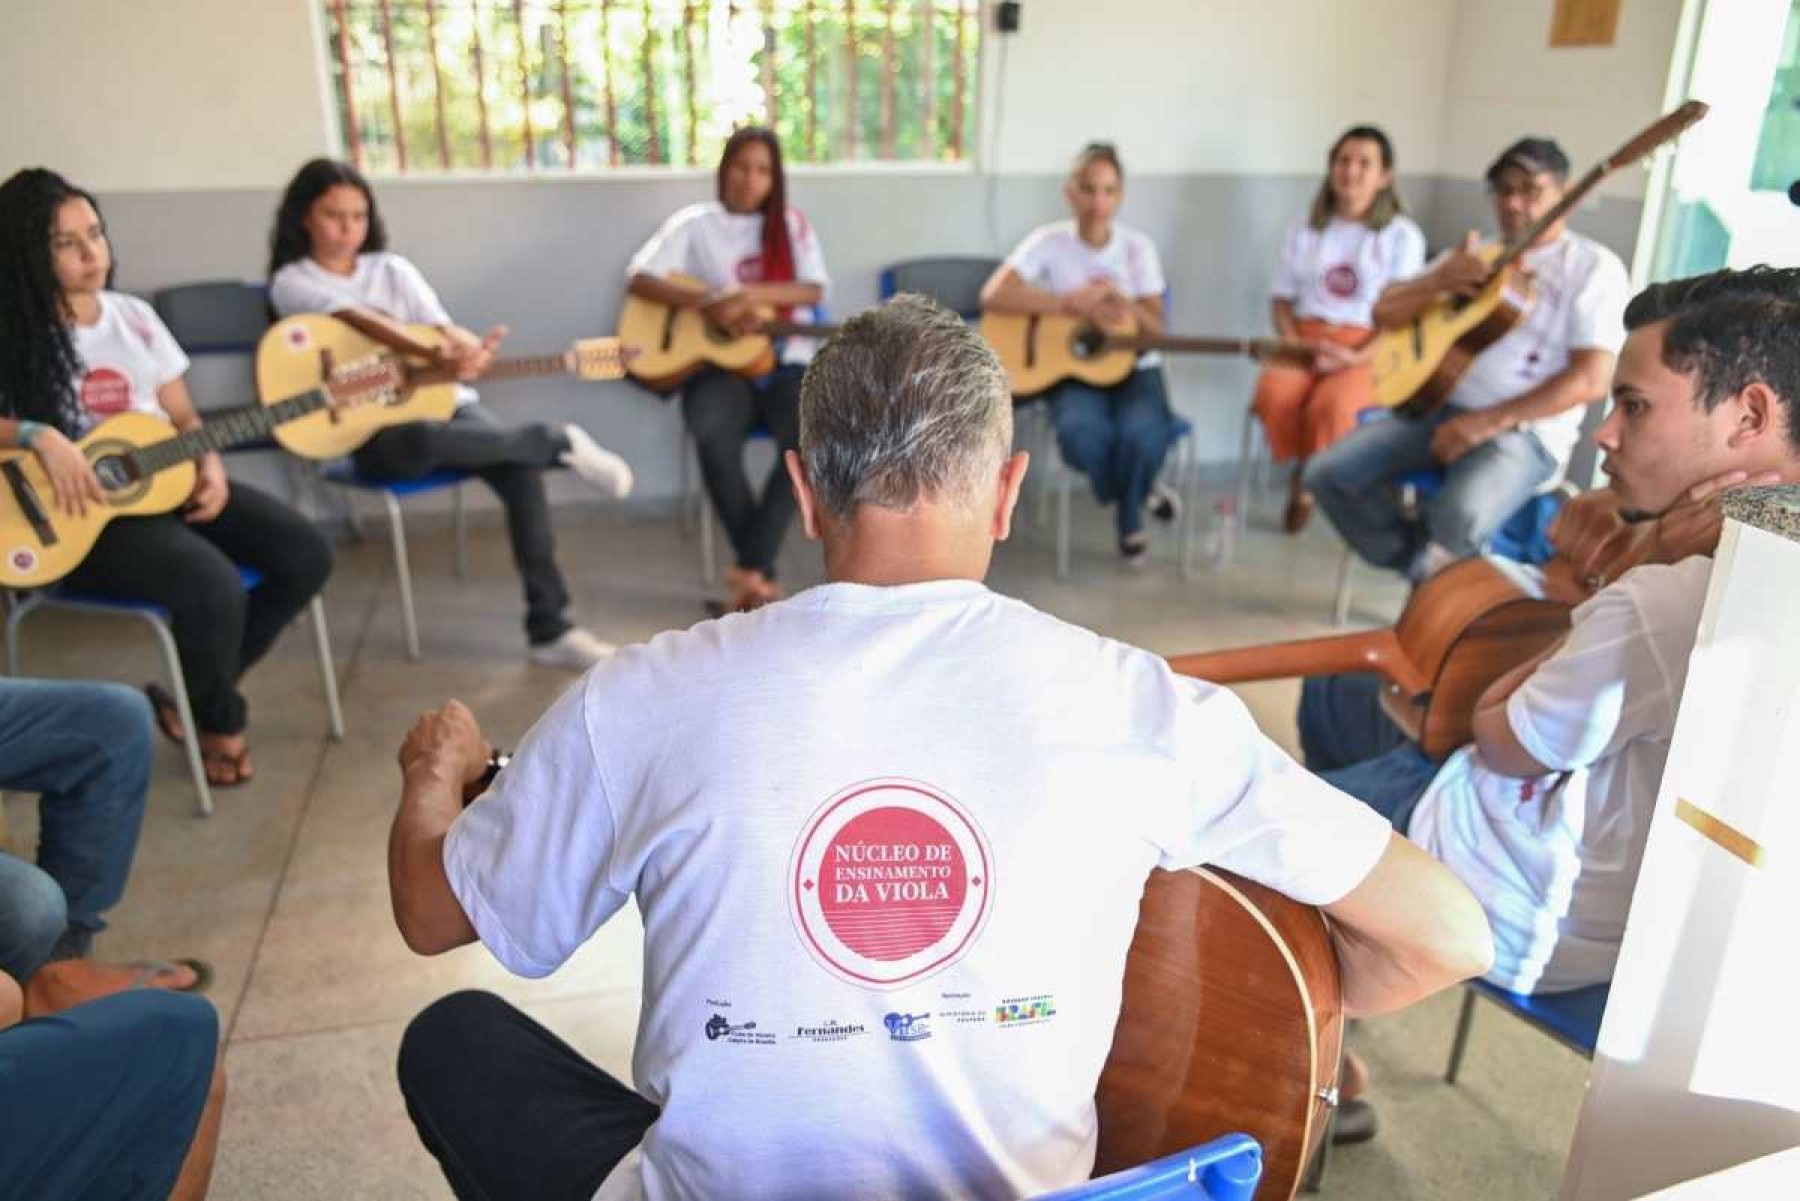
x=1545 y=815
x=1515 y=416
x=894 y=793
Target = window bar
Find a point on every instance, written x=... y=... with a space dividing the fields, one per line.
x=351 y=130
x=928 y=77
x=812 y=85
x=771 y=99
x=606 y=64
x=655 y=138
x=850 y=78
x=487 y=138
x=437 y=83
x=524 y=88
x=568 y=93
x=686 y=63
x=887 y=85
x=387 y=42
x=957 y=96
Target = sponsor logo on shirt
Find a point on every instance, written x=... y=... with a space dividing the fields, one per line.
x=830 y=1032
x=908 y=1027
x=1341 y=281
x=1025 y=1011
x=105 y=391
x=890 y=881
x=718 y=1028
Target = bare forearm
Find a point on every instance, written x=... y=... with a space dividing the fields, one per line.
x=1007 y=293
x=1400 y=303
x=789 y=294
x=1576 y=385
x=425 y=908
x=1281 y=316
x=667 y=291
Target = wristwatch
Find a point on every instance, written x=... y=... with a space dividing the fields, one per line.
x=497 y=760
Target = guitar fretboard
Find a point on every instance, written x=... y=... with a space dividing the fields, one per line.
x=232 y=427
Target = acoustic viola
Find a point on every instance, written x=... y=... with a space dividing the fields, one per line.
x=1040 y=350
x=673 y=343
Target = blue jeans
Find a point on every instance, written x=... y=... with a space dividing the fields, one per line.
x=102 y=1100
x=1117 y=437
x=86 y=748
x=1354 y=480
x=1347 y=741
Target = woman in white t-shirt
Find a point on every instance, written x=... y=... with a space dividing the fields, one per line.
x=1091 y=266
x=328 y=254
x=1355 y=241
x=749 y=249
x=74 y=353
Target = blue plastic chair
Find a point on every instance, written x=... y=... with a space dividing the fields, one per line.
x=954 y=281
x=1226 y=1169
x=1572 y=1018
x=157 y=617
x=344 y=474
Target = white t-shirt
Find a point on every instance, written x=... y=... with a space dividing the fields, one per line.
x=888 y=844
x=1334 y=274
x=125 y=357
x=1053 y=257
x=383 y=281
x=1579 y=305
x=720 y=248
x=1554 y=860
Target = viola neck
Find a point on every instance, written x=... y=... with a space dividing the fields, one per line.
x=1256 y=348
x=1562 y=208
x=518 y=367
x=224 y=430
x=799 y=329
x=1371 y=650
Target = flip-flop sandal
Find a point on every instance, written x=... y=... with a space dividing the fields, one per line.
x=147 y=969
x=168 y=713
x=237 y=761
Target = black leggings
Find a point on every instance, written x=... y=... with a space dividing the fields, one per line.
x=721 y=409
x=190 y=569
x=509 y=1109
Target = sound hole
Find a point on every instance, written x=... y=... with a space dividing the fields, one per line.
x=115 y=472
x=1089 y=341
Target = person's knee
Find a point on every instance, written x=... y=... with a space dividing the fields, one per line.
x=308 y=559
x=1455 y=521
x=458 y=1020
x=180 y=1033
x=38 y=914
x=120 y=720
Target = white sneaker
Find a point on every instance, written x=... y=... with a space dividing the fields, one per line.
x=1163 y=503
x=596 y=464
x=576 y=650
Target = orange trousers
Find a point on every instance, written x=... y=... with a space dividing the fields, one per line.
x=1304 y=411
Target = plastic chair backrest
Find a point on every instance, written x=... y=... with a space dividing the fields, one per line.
x=954 y=281
x=218 y=324
x=1225 y=1169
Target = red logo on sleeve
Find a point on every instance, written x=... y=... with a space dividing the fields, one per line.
x=890 y=882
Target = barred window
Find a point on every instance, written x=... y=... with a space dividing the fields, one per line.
x=524 y=85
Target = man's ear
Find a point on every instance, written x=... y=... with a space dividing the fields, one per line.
x=1759 y=415
x=1006 y=495
x=804 y=496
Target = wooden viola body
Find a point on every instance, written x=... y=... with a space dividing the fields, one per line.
x=298 y=353
x=1040 y=350
x=1232 y=1020
x=40 y=544
x=674 y=343
x=1419 y=364
x=1463 y=629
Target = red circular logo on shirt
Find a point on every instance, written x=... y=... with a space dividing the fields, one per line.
x=890 y=883
x=1342 y=281
x=105 y=391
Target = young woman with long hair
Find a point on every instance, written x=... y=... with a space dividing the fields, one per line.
x=72 y=353
x=328 y=254
x=1093 y=266
x=1354 y=241
x=751 y=251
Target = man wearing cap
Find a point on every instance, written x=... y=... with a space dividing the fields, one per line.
x=1515 y=416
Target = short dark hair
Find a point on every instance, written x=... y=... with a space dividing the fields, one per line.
x=1730 y=329
x=1097 y=152
x=1534 y=156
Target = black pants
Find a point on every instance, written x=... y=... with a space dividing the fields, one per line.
x=190 y=570
x=511 y=462
x=721 y=409
x=509 y=1109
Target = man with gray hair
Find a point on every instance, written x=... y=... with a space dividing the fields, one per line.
x=888 y=838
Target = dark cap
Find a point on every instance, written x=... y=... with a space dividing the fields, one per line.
x=1534 y=156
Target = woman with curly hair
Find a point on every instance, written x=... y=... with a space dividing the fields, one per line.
x=72 y=353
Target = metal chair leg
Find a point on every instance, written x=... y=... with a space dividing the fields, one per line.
x=19 y=608
x=1188 y=464
x=409 y=621
x=1463 y=1021
x=459 y=532
x=334 y=712
x=165 y=639
x=1340 y=605
x=1063 y=489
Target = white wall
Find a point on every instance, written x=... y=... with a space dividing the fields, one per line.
x=1503 y=81
x=161 y=94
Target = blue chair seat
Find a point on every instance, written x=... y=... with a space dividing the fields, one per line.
x=1226 y=1169
x=249 y=575
x=1574 y=1017
x=344 y=472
